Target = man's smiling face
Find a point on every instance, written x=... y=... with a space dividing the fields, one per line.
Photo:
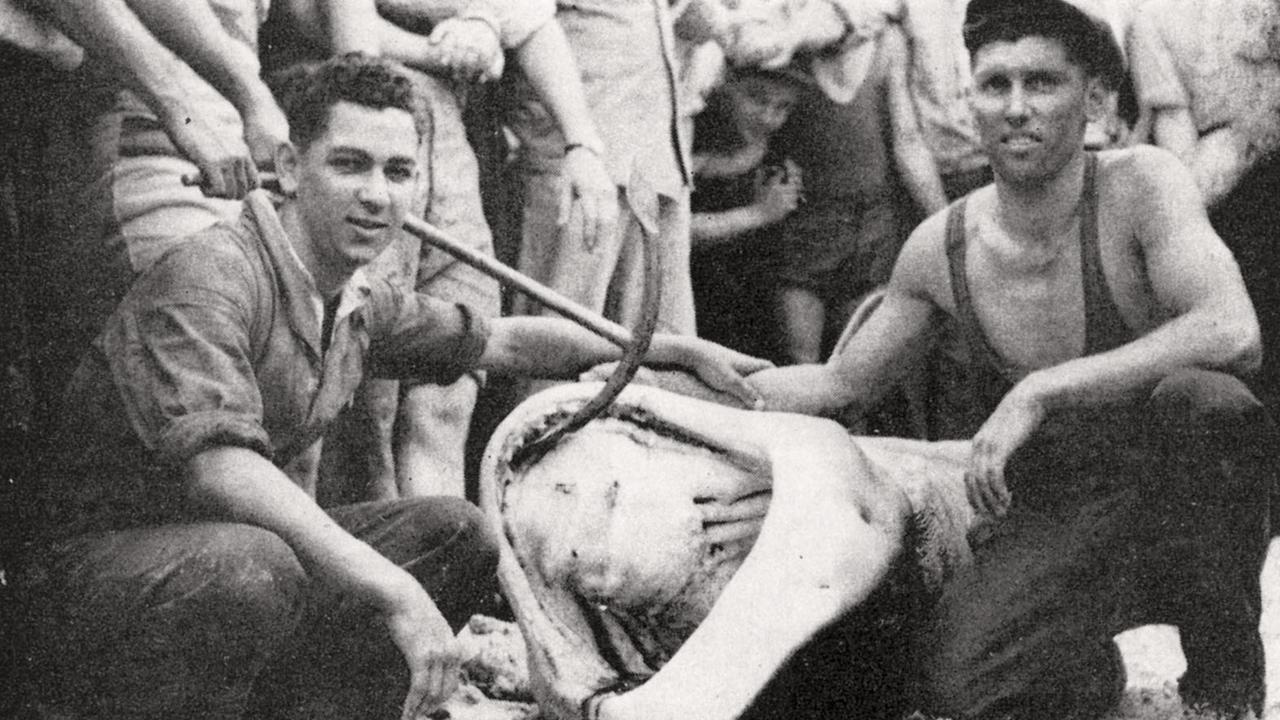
x=1031 y=103
x=355 y=185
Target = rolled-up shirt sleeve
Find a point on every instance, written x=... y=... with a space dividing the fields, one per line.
x=179 y=352
x=413 y=335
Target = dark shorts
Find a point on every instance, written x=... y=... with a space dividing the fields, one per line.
x=841 y=249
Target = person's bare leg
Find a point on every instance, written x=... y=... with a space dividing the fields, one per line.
x=431 y=438
x=802 y=318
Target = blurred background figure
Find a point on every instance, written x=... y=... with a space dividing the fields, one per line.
x=625 y=51
x=1208 y=83
x=743 y=190
x=858 y=158
x=170 y=91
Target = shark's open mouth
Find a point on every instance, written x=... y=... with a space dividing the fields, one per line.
x=622 y=540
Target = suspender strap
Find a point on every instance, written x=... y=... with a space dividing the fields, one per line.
x=970 y=328
x=1105 y=328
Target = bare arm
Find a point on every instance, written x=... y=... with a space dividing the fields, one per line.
x=884 y=348
x=193 y=31
x=1210 y=323
x=114 y=35
x=709 y=229
x=910 y=151
x=776 y=197
x=357 y=26
x=1218 y=159
x=552 y=347
x=589 y=198
x=237 y=484
x=1197 y=283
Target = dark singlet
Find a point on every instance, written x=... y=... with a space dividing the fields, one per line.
x=989 y=376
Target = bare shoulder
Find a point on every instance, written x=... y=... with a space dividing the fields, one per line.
x=1141 y=174
x=1151 y=196
x=921 y=269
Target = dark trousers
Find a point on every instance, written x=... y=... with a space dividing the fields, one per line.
x=220 y=620
x=1120 y=517
x=1247 y=219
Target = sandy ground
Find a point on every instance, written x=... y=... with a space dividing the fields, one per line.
x=1154 y=661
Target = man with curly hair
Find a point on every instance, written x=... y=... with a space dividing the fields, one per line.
x=183 y=573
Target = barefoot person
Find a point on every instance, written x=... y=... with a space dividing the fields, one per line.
x=1125 y=461
x=183 y=573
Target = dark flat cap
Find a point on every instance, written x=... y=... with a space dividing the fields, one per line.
x=1074 y=22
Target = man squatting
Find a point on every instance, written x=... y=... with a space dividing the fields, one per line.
x=1107 y=330
x=184 y=575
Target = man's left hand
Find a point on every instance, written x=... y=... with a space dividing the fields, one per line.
x=1019 y=414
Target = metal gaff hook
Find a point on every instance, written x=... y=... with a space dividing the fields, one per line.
x=635 y=343
x=626 y=369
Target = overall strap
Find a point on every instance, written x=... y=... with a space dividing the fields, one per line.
x=970 y=328
x=1105 y=328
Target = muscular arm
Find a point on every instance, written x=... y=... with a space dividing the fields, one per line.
x=1217 y=161
x=552 y=347
x=882 y=351
x=1210 y=321
x=114 y=35
x=193 y=31
x=1207 y=321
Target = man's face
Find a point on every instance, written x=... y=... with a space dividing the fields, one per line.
x=760 y=105
x=1031 y=104
x=355 y=184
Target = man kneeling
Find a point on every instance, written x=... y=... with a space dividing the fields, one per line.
x=183 y=574
x=1127 y=465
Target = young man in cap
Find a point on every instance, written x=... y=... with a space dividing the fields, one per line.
x=1123 y=460
x=184 y=574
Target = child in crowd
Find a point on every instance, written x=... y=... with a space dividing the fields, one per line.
x=858 y=158
x=742 y=190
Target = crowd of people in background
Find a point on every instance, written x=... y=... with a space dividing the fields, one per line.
x=779 y=153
